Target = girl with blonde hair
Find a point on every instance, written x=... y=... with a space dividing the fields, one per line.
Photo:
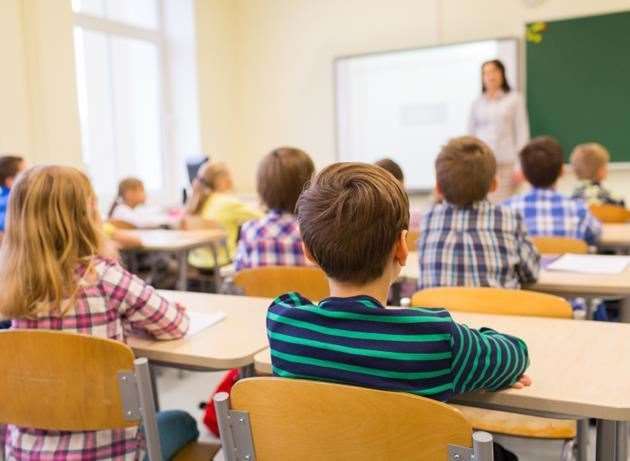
x=53 y=277
x=213 y=201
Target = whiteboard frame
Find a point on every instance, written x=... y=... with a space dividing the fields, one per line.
x=519 y=79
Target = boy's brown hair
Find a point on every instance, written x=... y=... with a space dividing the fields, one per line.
x=393 y=167
x=281 y=177
x=465 y=169
x=541 y=161
x=588 y=159
x=9 y=167
x=350 y=217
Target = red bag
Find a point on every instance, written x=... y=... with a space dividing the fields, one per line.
x=226 y=384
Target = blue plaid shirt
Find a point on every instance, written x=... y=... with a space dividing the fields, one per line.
x=479 y=245
x=4 y=201
x=550 y=213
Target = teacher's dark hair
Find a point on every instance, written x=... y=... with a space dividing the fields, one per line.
x=505 y=86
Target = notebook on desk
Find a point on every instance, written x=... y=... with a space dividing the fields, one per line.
x=589 y=264
x=199 y=321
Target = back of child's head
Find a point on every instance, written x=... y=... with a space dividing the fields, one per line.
x=281 y=177
x=588 y=160
x=9 y=168
x=52 y=227
x=541 y=161
x=350 y=216
x=465 y=169
x=205 y=184
x=125 y=186
x=393 y=167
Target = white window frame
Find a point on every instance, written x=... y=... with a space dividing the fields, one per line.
x=157 y=36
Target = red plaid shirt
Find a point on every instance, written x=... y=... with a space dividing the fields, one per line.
x=110 y=303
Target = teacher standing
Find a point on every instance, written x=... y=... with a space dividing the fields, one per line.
x=499 y=118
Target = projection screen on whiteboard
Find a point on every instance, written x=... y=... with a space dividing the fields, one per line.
x=406 y=104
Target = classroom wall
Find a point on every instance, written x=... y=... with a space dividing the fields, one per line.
x=276 y=55
x=38 y=109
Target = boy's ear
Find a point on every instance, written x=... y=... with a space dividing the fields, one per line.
x=494 y=185
x=308 y=255
x=9 y=182
x=438 y=193
x=401 y=250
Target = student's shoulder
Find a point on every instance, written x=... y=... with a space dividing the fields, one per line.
x=107 y=269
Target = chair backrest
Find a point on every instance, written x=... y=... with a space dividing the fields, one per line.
x=610 y=213
x=500 y=301
x=62 y=381
x=272 y=281
x=412 y=239
x=559 y=245
x=308 y=420
x=120 y=224
x=59 y=381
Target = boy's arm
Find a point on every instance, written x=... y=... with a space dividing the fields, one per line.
x=529 y=264
x=486 y=359
x=592 y=228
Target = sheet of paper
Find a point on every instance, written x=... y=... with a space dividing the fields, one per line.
x=199 y=321
x=590 y=264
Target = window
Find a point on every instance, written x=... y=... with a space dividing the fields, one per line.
x=126 y=113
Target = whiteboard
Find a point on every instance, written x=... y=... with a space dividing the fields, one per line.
x=406 y=104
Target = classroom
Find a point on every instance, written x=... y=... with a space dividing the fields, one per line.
x=271 y=230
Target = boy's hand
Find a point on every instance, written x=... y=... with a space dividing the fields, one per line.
x=522 y=382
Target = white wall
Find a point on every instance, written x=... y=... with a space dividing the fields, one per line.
x=38 y=113
x=266 y=69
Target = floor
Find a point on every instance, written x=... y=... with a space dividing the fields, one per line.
x=184 y=390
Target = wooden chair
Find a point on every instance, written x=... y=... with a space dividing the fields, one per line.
x=559 y=245
x=610 y=213
x=277 y=419
x=505 y=302
x=70 y=382
x=272 y=281
x=500 y=301
x=412 y=239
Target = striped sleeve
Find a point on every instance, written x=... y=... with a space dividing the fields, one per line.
x=486 y=359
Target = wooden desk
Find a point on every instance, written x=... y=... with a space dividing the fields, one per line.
x=578 y=370
x=566 y=284
x=231 y=343
x=180 y=243
x=616 y=237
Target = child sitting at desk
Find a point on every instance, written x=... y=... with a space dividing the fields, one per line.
x=354 y=218
x=53 y=277
x=590 y=165
x=10 y=167
x=547 y=212
x=214 y=202
x=467 y=240
x=129 y=207
x=274 y=239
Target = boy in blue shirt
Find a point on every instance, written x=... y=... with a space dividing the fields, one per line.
x=10 y=167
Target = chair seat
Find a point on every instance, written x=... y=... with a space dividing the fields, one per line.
x=197 y=451
x=518 y=425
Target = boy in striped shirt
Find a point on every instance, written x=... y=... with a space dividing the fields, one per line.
x=353 y=219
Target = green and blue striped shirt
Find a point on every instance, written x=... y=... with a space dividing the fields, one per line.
x=357 y=341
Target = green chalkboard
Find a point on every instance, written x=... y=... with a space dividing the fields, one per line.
x=578 y=81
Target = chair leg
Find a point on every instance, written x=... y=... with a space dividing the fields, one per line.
x=147 y=408
x=568 y=450
x=582 y=439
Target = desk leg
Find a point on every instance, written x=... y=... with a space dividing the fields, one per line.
x=606 y=440
x=622 y=441
x=182 y=270
x=156 y=394
x=217 y=268
x=247 y=371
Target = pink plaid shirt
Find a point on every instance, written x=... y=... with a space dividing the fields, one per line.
x=110 y=303
x=273 y=240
